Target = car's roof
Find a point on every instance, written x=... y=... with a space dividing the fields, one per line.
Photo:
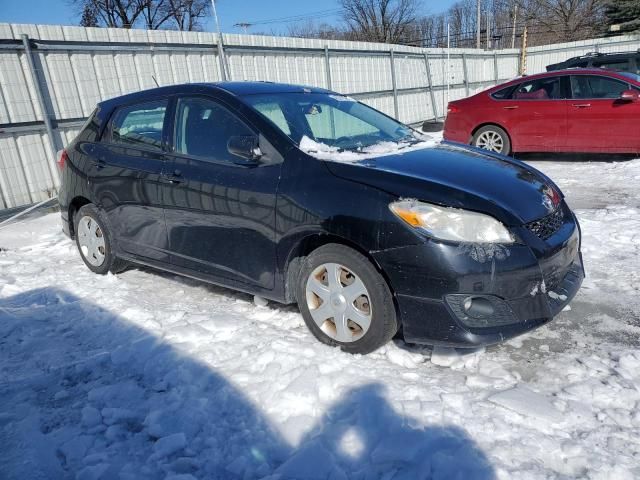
x=233 y=88
x=565 y=71
x=601 y=55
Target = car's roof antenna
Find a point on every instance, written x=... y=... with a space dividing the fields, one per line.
x=155 y=81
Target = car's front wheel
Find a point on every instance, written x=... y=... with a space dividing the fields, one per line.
x=492 y=138
x=345 y=301
x=94 y=242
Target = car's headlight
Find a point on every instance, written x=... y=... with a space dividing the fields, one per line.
x=452 y=224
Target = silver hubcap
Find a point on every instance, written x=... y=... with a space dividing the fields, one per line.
x=490 y=140
x=339 y=302
x=91 y=241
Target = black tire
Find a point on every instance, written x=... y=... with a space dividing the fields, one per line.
x=111 y=263
x=506 y=142
x=383 y=325
x=432 y=126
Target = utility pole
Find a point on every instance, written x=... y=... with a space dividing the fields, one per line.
x=478 y=20
x=223 y=60
x=523 y=57
x=244 y=26
x=488 y=32
x=513 y=32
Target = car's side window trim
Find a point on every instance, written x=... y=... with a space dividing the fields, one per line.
x=106 y=136
x=174 y=126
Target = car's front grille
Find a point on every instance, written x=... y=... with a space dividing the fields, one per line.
x=547 y=226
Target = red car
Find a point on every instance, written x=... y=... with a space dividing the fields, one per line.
x=576 y=110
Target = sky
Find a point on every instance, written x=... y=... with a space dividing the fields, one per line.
x=230 y=12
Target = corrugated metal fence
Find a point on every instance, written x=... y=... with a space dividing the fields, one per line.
x=51 y=77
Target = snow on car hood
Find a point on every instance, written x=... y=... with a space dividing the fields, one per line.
x=322 y=151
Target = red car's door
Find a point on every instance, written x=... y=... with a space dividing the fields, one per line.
x=536 y=115
x=599 y=121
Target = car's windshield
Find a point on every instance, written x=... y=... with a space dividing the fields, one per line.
x=330 y=119
x=633 y=76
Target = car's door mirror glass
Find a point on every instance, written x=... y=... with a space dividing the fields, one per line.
x=245 y=147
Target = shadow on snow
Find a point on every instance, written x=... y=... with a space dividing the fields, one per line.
x=85 y=394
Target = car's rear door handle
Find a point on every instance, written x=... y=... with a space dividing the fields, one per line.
x=582 y=105
x=510 y=107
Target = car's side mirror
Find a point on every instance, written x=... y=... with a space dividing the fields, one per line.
x=630 y=96
x=246 y=147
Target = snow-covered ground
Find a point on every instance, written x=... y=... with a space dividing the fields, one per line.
x=148 y=375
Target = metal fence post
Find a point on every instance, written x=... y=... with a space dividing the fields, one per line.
x=465 y=73
x=46 y=115
x=495 y=66
x=434 y=107
x=327 y=66
x=222 y=60
x=393 y=84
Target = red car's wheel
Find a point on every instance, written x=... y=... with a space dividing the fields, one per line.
x=492 y=138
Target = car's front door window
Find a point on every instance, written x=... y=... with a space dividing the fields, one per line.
x=204 y=127
x=596 y=87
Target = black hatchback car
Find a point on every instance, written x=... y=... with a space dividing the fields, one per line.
x=303 y=195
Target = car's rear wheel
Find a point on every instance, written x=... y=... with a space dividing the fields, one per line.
x=345 y=301
x=94 y=242
x=492 y=138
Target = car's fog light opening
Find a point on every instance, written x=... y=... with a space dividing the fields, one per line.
x=481 y=311
x=478 y=307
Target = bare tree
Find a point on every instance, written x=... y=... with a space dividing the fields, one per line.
x=188 y=14
x=151 y=14
x=388 y=21
x=568 y=20
x=311 y=29
x=113 y=13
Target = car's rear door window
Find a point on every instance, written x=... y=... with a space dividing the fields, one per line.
x=139 y=125
x=203 y=128
x=596 y=86
x=546 y=88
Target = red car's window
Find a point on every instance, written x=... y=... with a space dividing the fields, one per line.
x=539 y=89
x=596 y=86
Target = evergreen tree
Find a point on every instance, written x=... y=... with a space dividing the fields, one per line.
x=89 y=16
x=624 y=15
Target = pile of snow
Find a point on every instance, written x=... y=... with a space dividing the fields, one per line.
x=323 y=151
x=149 y=375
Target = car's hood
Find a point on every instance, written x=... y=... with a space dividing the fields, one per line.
x=461 y=177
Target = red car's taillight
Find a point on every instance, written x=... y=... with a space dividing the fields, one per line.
x=453 y=109
x=62 y=159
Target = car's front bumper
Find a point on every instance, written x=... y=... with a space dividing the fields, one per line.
x=519 y=286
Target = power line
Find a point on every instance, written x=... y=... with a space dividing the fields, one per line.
x=295 y=18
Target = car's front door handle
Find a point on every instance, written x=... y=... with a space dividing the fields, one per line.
x=510 y=107
x=582 y=105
